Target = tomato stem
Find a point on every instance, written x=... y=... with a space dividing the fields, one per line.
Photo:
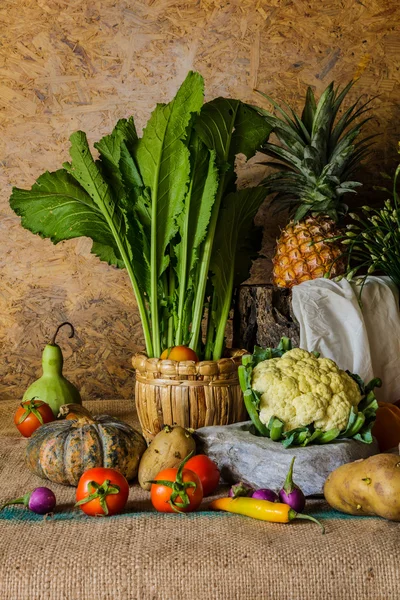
x=30 y=408
x=100 y=492
x=178 y=487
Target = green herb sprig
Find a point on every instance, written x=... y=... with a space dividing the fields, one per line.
x=372 y=241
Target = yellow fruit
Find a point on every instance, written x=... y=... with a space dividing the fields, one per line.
x=301 y=253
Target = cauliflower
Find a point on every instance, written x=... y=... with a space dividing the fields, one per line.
x=301 y=389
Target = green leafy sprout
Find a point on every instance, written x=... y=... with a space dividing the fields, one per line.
x=372 y=241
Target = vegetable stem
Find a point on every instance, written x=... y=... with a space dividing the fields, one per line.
x=221 y=325
x=22 y=500
x=288 y=486
x=204 y=268
x=136 y=289
x=210 y=327
x=183 y=275
x=154 y=283
x=295 y=515
x=171 y=293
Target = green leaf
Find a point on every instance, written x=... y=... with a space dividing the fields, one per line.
x=286 y=156
x=109 y=148
x=234 y=222
x=228 y=127
x=118 y=165
x=328 y=436
x=193 y=223
x=79 y=202
x=164 y=161
x=261 y=354
x=310 y=107
x=57 y=207
x=358 y=380
x=87 y=174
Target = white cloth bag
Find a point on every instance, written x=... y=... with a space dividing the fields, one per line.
x=365 y=340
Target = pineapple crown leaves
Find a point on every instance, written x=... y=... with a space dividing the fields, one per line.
x=318 y=153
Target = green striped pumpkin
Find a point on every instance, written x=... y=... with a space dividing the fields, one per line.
x=62 y=451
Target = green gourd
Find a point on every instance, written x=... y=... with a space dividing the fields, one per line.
x=52 y=387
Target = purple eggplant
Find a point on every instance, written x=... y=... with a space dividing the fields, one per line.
x=266 y=494
x=240 y=489
x=291 y=494
x=40 y=501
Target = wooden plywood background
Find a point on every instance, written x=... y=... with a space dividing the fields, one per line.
x=77 y=64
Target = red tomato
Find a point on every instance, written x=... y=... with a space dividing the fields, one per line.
x=102 y=492
x=173 y=494
x=31 y=415
x=180 y=353
x=207 y=471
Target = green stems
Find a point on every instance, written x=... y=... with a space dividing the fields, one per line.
x=204 y=268
x=210 y=327
x=171 y=294
x=138 y=294
x=155 y=327
x=221 y=325
x=183 y=275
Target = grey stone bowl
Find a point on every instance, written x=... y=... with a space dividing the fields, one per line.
x=262 y=463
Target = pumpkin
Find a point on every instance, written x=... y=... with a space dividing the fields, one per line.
x=64 y=451
x=386 y=428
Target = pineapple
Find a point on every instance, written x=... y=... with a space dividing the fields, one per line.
x=317 y=155
x=296 y=260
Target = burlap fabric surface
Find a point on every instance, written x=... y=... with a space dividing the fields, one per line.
x=142 y=555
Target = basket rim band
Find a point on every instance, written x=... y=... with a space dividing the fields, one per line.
x=187 y=382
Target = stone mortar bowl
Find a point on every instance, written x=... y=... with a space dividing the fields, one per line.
x=262 y=463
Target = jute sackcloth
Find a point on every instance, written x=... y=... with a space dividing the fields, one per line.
x=143 y=555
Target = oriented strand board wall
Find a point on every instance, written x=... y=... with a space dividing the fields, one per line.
x=77 y=64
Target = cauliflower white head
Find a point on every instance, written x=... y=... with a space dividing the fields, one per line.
x=301 y=389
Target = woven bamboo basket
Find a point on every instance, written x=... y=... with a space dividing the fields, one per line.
x=187 y=393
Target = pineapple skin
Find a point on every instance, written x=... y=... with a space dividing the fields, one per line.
x=296 y=260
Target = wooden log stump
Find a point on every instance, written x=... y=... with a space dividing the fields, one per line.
x=262 y=315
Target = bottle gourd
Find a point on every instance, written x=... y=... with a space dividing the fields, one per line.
x=53 y=388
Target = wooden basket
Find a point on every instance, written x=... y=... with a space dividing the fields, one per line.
x=187 y=393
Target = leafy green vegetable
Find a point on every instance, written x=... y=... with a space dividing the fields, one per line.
x=236 y=217
x=164 y=161
x=194 y=222
x=164 y=206
x=229 y=128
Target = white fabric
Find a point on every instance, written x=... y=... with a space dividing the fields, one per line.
x=365 y=340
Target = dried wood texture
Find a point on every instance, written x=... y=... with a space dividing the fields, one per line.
x=68 y=65
x=263 y=314
x=186 y=393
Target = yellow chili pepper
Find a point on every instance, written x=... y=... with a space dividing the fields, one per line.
x=274 y=512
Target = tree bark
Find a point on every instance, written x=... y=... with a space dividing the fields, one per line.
x=262 y=315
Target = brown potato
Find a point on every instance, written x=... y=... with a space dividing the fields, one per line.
x=368 y=486
x=167 y=450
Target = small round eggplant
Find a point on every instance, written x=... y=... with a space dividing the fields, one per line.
x=266 y=494
x=240 y=489
x=291 y=494
x=40 y=501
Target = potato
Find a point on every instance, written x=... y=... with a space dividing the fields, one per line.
x=167 y=450
x=368 y=486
